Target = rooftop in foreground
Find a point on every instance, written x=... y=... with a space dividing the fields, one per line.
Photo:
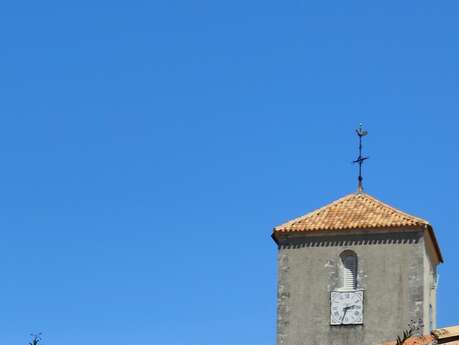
x=447 y=335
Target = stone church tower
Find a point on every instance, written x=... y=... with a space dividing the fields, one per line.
x=355 y=272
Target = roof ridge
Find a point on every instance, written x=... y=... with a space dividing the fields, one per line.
x=397 y=213
x=396 y=210
x=316 y=211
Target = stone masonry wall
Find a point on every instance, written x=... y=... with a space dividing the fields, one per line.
x=390 y=270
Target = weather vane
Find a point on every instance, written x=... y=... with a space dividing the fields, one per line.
x=361 y=133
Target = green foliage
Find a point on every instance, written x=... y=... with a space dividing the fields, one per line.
x=413 y=329
x=407 y=333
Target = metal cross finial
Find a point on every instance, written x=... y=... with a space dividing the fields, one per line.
x=361 y=133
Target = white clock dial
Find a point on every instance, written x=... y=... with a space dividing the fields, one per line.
x=346 y=307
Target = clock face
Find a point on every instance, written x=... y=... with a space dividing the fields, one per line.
x=346 y=307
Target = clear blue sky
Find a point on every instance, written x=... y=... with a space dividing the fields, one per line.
x=148 y=148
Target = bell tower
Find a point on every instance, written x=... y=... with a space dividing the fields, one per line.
x=355 y=272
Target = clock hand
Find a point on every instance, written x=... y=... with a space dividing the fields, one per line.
x=345 y=309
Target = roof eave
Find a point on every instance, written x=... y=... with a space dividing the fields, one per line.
x=277 y=232
x=274 y=237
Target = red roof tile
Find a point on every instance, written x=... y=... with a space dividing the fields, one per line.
x=355 y=211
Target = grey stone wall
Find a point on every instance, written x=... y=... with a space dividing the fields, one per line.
x=390 y=270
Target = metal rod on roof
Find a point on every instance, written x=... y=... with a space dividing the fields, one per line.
x=361 y=133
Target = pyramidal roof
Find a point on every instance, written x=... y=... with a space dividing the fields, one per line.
x=355 y=211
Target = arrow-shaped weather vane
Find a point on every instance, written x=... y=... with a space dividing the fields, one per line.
x=361 y=133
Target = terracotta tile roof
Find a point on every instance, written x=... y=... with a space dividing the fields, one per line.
x=424 y=340
x=448 y=335
x=354 y=211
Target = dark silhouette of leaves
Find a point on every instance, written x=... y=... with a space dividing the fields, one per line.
x=36 y=339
